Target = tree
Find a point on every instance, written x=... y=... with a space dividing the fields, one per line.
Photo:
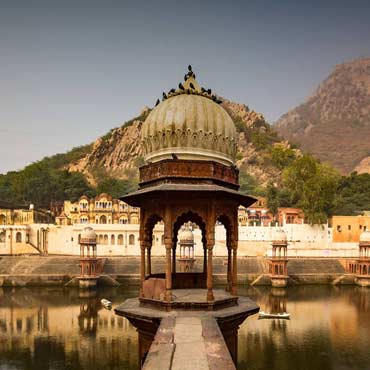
x=312 y=187
x=353 y=196
x=116 y=187
x=273 y=201
x=248 y=184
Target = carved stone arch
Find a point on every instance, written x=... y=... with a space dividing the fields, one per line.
x=149 y=224
x=192 y=217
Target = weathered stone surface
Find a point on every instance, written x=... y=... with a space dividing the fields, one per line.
x=51 y=270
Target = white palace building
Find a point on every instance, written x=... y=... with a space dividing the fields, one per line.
x=123 y=240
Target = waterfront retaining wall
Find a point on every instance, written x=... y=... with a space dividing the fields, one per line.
x=58 y=270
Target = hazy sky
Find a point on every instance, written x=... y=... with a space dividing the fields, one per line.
x=72 y=70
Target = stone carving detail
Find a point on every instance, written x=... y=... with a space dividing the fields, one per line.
x=189 y=169
x=188 y=138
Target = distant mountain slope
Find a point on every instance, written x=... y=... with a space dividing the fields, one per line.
x=118 y=154
x=334 y=123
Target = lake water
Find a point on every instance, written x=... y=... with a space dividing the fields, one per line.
x=56 y=328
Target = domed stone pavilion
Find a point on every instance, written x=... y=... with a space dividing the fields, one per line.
x=189 y=177
x=89 y=263
x=279 y=259
x=189 y=143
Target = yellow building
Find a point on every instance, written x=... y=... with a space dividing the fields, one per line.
x=23 y=216
x=102 y=209
x=347 y=229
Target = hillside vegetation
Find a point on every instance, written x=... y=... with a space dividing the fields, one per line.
x=268 y=166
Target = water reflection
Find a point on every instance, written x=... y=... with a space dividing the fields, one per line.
x=329 y=329
x=64 y=329
x=58 y=328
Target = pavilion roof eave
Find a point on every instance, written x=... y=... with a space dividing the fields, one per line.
x=135 y=198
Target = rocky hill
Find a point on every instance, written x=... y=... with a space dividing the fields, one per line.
x=118 y=154
x=334 y=123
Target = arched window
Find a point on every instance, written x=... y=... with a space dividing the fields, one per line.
x=112 y=240
x=120 y=239
x=101 y=238
x=103 y=219
x=2 y=237
x=2 y=219
x=131 y=239
x=105 y=239
x=162 y=239
x=134 y=219
x=18 y=237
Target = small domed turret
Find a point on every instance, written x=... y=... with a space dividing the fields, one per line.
x=365 y=237
x=279 y=236
x=186 y=236
x=88 y=236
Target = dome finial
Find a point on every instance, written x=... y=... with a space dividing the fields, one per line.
x=190 y=83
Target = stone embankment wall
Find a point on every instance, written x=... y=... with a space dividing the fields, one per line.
x=42 y=270
x=123 y=240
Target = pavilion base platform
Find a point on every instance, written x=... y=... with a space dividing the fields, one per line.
x=191 y=299
x=181 y=338
x=279 y=281
x=363 y=280
x=87 y=282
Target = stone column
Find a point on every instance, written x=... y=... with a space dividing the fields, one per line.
x=142 y=266
x=168 y=271
x=229 y=268
x=234 y=290
x=210 y=245
x=174 y=258
x=168 y=246
x=149 y=259
x=204 y=259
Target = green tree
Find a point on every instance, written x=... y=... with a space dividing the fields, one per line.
x=281 y=156
x=312 y=187
x=116 y=187
x=353 y=195
x=248 y=184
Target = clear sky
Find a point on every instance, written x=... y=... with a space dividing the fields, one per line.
x=72 y=70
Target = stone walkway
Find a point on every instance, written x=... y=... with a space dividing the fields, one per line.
x=190 y=342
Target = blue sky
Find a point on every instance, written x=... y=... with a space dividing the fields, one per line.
x=72 y=70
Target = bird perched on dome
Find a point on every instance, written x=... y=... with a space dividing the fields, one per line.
x=181 y=86
x=164 y=95
x=157 y=102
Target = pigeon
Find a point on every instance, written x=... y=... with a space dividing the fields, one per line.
x=157 y=102
x=174 y=156
x=181 y=87
x=189 y=68
x=192 y=86
x=164 y=96
x=209 y=91
x=203 y=90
